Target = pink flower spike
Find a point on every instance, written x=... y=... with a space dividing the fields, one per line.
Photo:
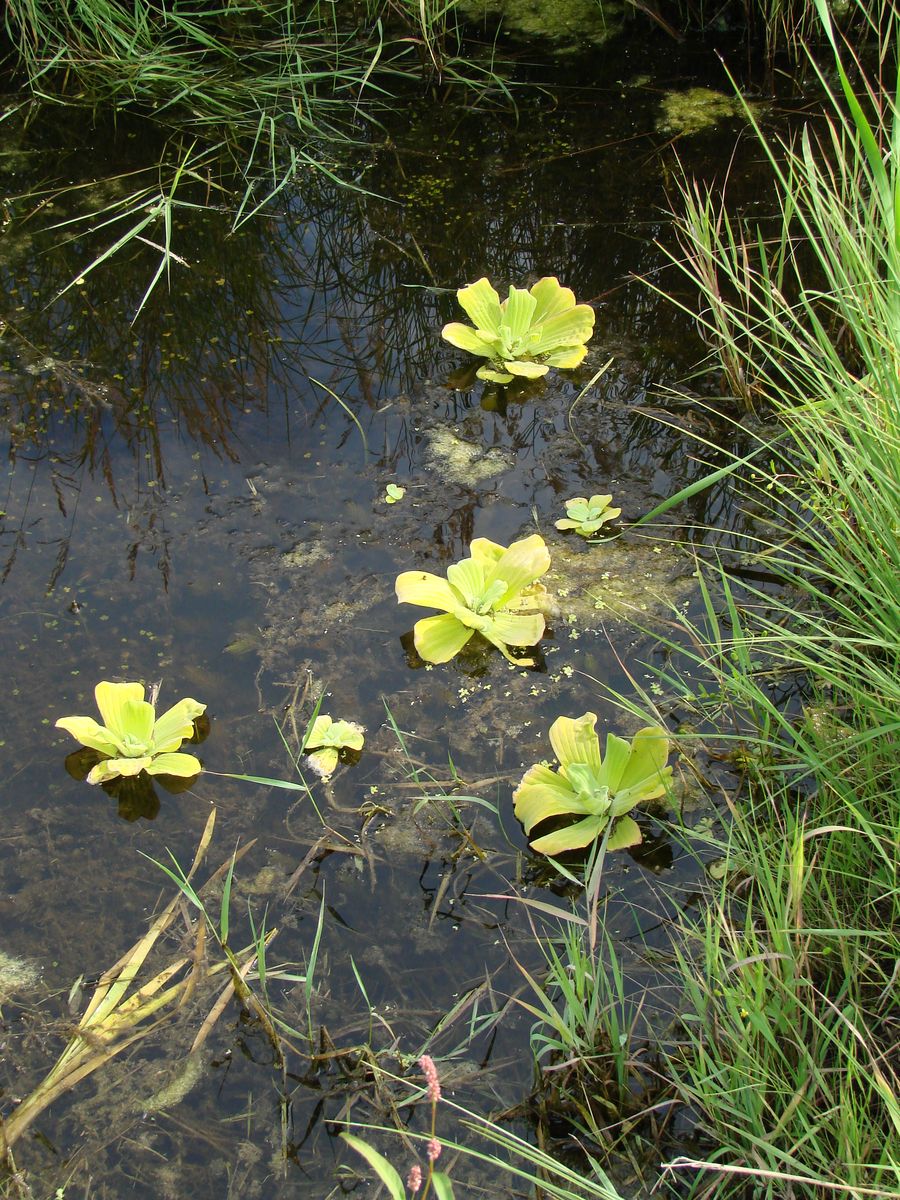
x=433 y=1150
x=414 y=1178
x=429 y=1070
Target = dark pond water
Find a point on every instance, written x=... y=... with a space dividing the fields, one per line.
x=198 y=498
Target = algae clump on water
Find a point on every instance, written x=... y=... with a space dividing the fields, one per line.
x=566 y=24
x=16 y=975
x=459 y=461
x=691 y=111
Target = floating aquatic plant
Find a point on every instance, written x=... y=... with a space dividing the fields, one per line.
x=132 y=738
x=393 y=493
x=327 y=739
x=494 y=592
x=586 y=516
x=599 y=789
x=525 y=334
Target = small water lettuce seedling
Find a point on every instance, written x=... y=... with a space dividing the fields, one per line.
x=393 y=493
x=132 y=739
x=586 y=516
x=327 y=739
x=494 y=592
x=524 y=335
x=598 y=789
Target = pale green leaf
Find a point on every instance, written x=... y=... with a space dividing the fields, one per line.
x=438 y=639
x=573 y=837
x=471 y=619
x=467 y=577
x=485 y=551
x=525 y=369
x=615 y=760
x=578 y=508
x=89 y=733
x=544 y=793
x=111 y=699
x=600 y=503
x=567 y=358
x=176 y=724
x=521 y=564
x=492 y=375
x=481 y=304
x=324 y=760
x=551 y=298
x=570 y=328
x=649 y=753
x=574 y=740
x=183 y=765
x=584 y=781
x=112 y=768
x=349 y=735
x=137 y=717
x=650 y=788
x=317 y=735
x=517 y=312
x=430 y=591
x=626 y=832
x=339 y=734
x=517 y=629
x=464 y=337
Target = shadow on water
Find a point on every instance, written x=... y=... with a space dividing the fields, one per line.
x=199 y=496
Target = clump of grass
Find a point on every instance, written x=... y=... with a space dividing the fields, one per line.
x=585 y=1040
x=791 y=1034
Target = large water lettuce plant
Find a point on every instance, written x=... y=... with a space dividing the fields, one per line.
x=132 y=739
x=494 y=592
x=600 y=789
x=525 y=334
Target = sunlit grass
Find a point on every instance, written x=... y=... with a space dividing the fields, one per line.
x=791 y=1020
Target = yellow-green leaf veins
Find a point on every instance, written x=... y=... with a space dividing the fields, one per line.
x=132 y=739
x=598 y=789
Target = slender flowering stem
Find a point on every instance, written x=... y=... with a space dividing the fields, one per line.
x=429 y=1070
x=433 y=1083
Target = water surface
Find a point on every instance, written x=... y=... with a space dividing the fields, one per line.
x=198 y=498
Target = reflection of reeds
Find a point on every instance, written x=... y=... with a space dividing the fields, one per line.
x=267 y=78
x=117 y=1016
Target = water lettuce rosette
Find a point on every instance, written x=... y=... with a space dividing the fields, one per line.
x=597 y=788
x=486 y=593
x=587 y=515
x=132 y=739
x=327 y=739
x=525 y=334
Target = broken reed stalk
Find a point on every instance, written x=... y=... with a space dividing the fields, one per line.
x=113 y=1021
